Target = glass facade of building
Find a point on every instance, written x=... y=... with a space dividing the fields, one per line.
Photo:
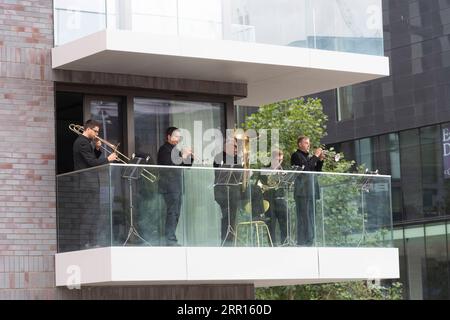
x=400 y=126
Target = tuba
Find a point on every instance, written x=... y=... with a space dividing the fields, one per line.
x=120 y=156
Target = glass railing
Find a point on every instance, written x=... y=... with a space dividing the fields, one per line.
x=123 y=205
x=337 y=25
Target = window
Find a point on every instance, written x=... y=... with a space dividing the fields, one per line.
x=410 y=172
x=364 y=153
x=345 y=103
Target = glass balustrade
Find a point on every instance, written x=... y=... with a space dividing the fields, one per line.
x=134 y=205
x=337 y=25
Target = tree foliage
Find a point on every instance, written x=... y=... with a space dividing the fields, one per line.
x=355 y=290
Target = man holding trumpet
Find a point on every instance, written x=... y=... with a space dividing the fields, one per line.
x=304 y=188
x=85 y=155
x=171 y=180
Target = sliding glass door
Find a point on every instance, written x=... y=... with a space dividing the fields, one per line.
x=151 y=119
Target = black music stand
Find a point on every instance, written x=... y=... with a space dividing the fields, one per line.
x=286 y=181
x=365 y=188
x=133 y=173
x=229 y=178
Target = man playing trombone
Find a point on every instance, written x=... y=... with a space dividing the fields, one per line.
x=85 y=155
x=92 y=219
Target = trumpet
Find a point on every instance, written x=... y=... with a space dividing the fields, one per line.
x=120 y=156
x=330 y=155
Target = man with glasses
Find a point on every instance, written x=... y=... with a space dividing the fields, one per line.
x=88 y=190
x=86 y=152
x=171 y=180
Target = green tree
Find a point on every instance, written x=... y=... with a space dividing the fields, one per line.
x=296 y=117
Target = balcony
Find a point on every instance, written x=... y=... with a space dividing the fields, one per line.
x=280 y=49
x=111 y=226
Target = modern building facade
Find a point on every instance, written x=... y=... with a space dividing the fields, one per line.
x=400 y=126
x=139 y=67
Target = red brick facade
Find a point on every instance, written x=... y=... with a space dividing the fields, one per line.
x=27 y=144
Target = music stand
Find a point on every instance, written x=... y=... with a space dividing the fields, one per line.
x=365 y=187
x=229 y=179
x=286 y=181
x=132 y=173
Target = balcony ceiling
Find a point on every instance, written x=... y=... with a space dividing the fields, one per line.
x=272 y=73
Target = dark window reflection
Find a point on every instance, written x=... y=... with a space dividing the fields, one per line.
x=415 y=261
x=431 y=169
x=411 y=177
x=436 y=263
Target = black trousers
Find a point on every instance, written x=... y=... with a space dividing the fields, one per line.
x=305 y=220
x=277 y=213
x=173 y=207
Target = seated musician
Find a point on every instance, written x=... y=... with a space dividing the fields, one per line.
x=276 y=195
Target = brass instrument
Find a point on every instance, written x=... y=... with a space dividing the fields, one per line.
x=331 y=155
x=120 y=156
x=245 y=140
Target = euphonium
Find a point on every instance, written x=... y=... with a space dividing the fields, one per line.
x=120 y=156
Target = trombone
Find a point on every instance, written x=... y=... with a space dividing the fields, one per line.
x=120 y=156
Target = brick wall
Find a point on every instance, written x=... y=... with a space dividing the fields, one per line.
x=27 y=165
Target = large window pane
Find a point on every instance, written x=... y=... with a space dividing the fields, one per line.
x=399 y=242
x=410 y=171
x=394 y=155
x=431 y=170
x=445 y=135
x=107 y=112
x=364 y=153
x=437 y=264
x=345 y=103
x=151 y=119
x=415 y=257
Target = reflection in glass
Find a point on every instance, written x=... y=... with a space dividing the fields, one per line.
x=436 y=263
x=107 y=114
x=411 y=180
x=415 y=255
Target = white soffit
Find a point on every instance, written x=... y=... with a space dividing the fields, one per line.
x=272 y=73
x=197 y=265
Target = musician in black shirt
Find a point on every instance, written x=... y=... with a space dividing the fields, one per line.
x=304 y=189
x=93 y=221
x=171 y=180
x=276 y=195
x=86 y=152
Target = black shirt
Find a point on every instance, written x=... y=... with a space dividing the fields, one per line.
x=305 y=184
x=170 y=180
x=305 y=162
x=85 y=155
